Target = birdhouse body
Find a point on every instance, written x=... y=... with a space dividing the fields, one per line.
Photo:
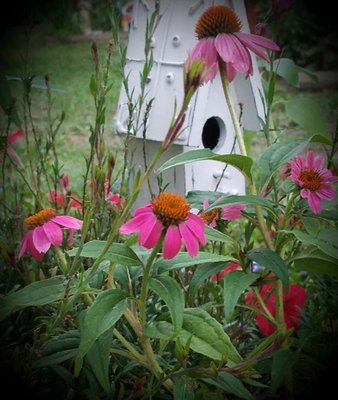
x=208 y=123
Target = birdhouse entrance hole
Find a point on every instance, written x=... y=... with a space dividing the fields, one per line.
x=213 y=133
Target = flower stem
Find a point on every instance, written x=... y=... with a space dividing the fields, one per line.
x=233 y=114
x=62 y=260
x=238 y=132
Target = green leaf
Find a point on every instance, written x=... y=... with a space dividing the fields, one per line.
x=309 y=114
x=184 y=260
x=117 y=252
x=217 y=236
x=106 y=310
x=37 y=293
x=99 y=357
x=235 y=386
x=58 y=349
x=271 y=261
x=316 y=262
x=287 y=69
x=171 y=293
x=324 y=246
x=183 y=389
x=282 y=362
x=206 y=334
x=242 y=163
x=202 y=273
x=235 y=283
x=93 y=86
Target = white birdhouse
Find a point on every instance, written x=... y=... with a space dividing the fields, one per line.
x=208 y=123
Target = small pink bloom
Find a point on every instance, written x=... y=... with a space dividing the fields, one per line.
x=168 y=213
x=218 y=32
x=314 y=180
x=116 y=200
x=293 y=301
x=233 y=211
x=45 y=230
x=221 y=274
x=12 y=154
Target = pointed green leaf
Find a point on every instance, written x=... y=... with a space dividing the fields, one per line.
x=202 y=273
x=196 y=197
x=287 y=69
x=171 y=293
x=217 y=236
x=282 y=362
x=235 y=283
x=206 y=334
x=309 y=114
x=183 y=389
x=184 y=260
x=235 y=386
x=117 y=252
x=271 y=261
x=316 y=262
x=98 y=357
x=37 y=293
x=106 y=310
x=242 y=163
x=324 y=246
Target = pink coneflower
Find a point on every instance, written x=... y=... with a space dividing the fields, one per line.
x=221 y=274
x=293 y=301
x=220 y=39
x=168 y=213
x=313 y=179
x=45 y=230
x=233 y=211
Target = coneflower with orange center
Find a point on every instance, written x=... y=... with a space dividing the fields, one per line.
x=169 y=213
x=314 y=180
x=44 y=231
x=220 y=39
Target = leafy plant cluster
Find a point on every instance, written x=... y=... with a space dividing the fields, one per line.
x=101 y=316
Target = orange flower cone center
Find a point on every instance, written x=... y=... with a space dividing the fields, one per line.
x=170 y=208
x=311 y=179
x=39 y=218
x=216 y=20
x=211 y=215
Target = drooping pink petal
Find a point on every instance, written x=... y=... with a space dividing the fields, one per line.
x=326 y=192
x=197 y=226
x=150 y=233
x=189 y=239
x=231 y=72
x=144 y=210
x=257 y=40
x=172 y=242
x=24 y=243
x=226 y=48
x=68 y=221
x=53 y=233
x=314 y=201
x=135 y=223
x=233 y=211
x=40 y=240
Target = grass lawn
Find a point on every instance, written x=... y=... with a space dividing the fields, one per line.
x=69 y=67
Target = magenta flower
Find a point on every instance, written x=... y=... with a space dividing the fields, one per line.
x=233 y=211
x=313 y=179
x=45 y=230
x=220 y=39
x=168 y=213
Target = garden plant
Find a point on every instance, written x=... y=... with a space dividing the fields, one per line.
x=191 y=296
